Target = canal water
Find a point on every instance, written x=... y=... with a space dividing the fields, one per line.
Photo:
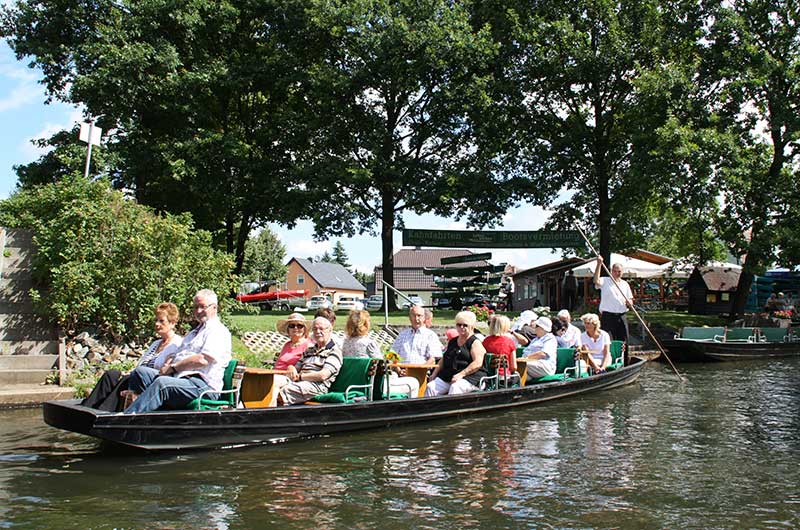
x=719 y=451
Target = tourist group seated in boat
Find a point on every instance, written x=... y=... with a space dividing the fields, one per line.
x=314 y=367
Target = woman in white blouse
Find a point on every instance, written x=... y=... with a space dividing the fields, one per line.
x=595 y=344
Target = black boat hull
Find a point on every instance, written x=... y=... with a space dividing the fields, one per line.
x=687 y=350
x=172 y=430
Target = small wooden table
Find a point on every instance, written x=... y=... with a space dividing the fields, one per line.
x=418 y=372
x=257 y=387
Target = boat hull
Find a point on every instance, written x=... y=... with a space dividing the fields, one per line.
x=173 y=430
x=687 y=350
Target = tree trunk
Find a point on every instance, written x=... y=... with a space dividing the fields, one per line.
x=387 y=244
x=241 y=241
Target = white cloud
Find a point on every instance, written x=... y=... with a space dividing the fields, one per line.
x=303 y=248
x=31 y=152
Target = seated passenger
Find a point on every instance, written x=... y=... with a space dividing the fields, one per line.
x=106 y=393
x=196 y=366
x=595 y=344
x=317 y=368
x=329 y=314
x=417 y=344
x=542 y=350
x=296 y=328
x=460 y=369
x=571 y=336
x=522 y=330
x=357 y=342
x=499 y=342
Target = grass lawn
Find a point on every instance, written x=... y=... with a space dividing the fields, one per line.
x=678 y=319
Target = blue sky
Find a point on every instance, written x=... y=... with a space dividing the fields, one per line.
x=25 y=116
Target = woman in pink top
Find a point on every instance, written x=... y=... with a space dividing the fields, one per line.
x=296 y=328
x=499 y=342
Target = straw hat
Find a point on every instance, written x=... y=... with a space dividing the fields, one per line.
x=294 y=318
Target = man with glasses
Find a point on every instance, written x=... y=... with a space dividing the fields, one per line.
x=317 y=368
x=196 y=366
x=417 y=344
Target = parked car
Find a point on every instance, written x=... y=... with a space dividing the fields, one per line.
x=345 y=303
x=374 y=303
x=319 y=301
x=415 y=300
x=442 y=303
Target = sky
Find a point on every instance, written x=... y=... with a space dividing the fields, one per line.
x=25 y=117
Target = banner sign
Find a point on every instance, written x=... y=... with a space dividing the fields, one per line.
x=492 y=239
x=467 y=258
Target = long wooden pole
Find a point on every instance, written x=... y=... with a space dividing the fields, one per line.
x=635 y=312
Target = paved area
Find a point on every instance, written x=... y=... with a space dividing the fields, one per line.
x=32 y=395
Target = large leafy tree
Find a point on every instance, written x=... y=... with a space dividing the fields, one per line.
x=753 y=57
x=198 y=96
x=265 y=257
x=400 y=94
x=592 y=86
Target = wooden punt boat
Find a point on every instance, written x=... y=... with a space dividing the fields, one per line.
x=174 y=430
x=732 y=344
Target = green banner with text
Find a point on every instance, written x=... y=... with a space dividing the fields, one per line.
x=492 y=239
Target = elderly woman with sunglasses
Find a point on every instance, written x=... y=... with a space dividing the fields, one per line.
x=460 y=369
x=296 y=328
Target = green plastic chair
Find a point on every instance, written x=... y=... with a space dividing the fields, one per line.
x=491 y=381
x=774 y=334
x=740 y=335
x=354 y=382
x=617 y=351
x=565 y=363
x=231 y=380
x=702 y=333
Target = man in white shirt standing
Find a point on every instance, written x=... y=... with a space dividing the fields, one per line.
x=196 y=366
x=614 y=302
x=417 y=344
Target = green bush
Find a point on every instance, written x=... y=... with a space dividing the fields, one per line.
x=104 y=261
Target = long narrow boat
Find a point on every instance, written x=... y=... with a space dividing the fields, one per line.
x=732 y=344
x=172 y=430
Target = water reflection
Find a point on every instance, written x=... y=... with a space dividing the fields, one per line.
x=718 y=451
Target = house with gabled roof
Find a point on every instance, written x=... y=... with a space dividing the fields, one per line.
x=322 y=278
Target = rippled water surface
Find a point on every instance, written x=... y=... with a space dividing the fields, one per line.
x=719 y=451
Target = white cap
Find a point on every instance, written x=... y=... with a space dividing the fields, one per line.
x=544 y=323
x=526 y=317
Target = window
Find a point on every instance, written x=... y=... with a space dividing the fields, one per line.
x=711 y=298
x=725 y=297
x=301 y=279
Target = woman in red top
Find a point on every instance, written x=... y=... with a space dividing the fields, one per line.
x=499 y=342
x=296 y=328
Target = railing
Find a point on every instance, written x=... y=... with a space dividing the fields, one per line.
x=386 y=288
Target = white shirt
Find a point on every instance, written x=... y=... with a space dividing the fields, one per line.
x=213 y=340
x=417 y=346
x=571 y=338
x=597 y=348
x=611 y=301
x=548 y=344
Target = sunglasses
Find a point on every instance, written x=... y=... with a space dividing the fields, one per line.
x=460 y=325
x=295 y=326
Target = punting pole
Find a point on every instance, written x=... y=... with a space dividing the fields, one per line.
x=635 y=312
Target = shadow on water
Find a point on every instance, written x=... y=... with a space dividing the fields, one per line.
x=719 y=451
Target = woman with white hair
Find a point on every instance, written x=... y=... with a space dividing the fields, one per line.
x=461 y=367
x=571 y=335
x=596 y=344
x=541 y=353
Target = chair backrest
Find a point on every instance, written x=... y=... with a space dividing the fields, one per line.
x=355 y=371
x=231 y=380
x=740 y=333
x=565 y=358
x=520 y=351
x=774 y=334
x=698 y=333
x=616 y=350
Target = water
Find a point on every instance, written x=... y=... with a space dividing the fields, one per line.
x=720 y=451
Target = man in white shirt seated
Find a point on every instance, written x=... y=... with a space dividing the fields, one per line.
x=197 y=365
x=417 y=344
x=571 y=337
x=542 y=350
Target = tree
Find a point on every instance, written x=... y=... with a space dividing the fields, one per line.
x=398 y=95
x=265 y=257
x=581 y=88
x=340 y=255
x=325 y=258
x=753 y=57
x=200 y=98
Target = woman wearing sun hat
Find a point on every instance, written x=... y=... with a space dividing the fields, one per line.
x=541 y=352
x=296 y=328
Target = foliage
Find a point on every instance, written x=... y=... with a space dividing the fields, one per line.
x=265 y=257
x=340 y=255
x=105 y=261
x=399 y=95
